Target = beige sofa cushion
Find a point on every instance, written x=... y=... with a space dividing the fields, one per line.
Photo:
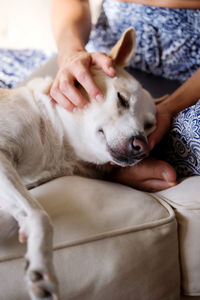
x=185 y=198
x=110 y=242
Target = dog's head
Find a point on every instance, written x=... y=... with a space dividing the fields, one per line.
x=115 y=130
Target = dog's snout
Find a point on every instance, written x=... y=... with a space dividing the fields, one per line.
x=130 y=151
x=138 y=146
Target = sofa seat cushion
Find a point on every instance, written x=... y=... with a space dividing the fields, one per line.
x=110 y=242
x=185 y=200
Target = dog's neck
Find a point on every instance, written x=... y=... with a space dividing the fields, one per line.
x=72 y=134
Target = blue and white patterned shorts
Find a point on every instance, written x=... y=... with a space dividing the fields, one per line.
x=168 y=40
x=168 y=45
x=16 y=65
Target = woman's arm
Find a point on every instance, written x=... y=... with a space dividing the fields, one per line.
x=186 y=95
x=71 y=22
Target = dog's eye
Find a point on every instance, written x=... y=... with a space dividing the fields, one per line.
x=100 y=131
x=123 y=101
x=148 y=125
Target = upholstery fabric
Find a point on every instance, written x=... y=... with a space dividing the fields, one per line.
x=185 y=200
x=110 y=242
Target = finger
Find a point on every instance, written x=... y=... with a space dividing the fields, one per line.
x=154 y=185
x=155 y=137
x=151 y=168
x=69 y=90
x=162 y=128
x=84 y=77
x=152 y=175
x=104 y=62
x=61 y=99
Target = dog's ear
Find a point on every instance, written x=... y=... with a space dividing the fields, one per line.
x=123 y=50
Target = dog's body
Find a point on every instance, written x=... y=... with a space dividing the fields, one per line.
x=39 y=142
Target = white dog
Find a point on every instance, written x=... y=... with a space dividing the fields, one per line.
x=39 y=142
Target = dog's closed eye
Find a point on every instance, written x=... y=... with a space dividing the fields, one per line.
x=100 y=131
x=123 y=102
x=148 y=125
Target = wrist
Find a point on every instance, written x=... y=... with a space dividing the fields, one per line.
x=66 y=53
x=174 y=103
x=167 y=107
x=186 y=95
x=68 y=44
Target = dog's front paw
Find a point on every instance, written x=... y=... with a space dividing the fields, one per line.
x=40 y=275
x=42 y=283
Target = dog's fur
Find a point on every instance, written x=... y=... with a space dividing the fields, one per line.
x=39 y=142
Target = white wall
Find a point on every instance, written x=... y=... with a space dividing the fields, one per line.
x=26 y=23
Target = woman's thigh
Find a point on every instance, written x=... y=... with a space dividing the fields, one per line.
x=168 y=40
x=181 y=146
x=16 y=65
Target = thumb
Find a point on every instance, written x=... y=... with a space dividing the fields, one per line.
x=162 y=127
x=156 y=136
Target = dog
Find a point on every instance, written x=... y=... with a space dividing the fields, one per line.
x=39 y=142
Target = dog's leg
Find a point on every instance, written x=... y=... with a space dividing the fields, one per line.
x=35 y=227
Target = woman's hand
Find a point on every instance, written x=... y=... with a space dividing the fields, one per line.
x=75 y=68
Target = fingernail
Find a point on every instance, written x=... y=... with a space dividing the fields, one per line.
x=112 y=71
x=170 y=183
x=99 y=97
x=164 y=175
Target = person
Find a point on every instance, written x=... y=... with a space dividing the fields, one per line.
x=168 y=45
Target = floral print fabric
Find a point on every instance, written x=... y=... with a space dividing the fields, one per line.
x=168 y=40
x=16 y=65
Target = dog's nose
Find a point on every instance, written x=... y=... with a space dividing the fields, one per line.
x=139 y=146
x=130 y=151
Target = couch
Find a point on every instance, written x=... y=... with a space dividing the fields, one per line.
x=112 y=242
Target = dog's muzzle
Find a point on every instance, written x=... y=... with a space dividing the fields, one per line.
x=130 y=151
